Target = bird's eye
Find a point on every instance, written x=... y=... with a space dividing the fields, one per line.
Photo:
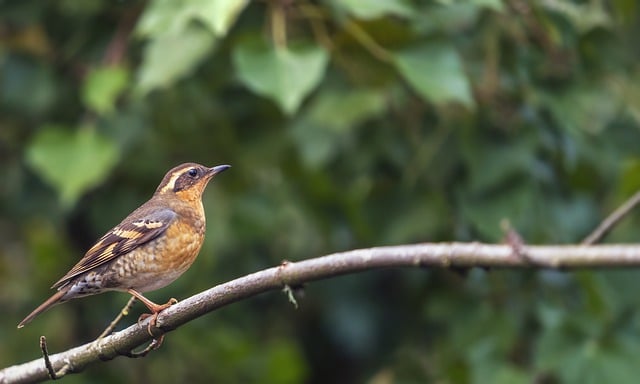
x=192 y=172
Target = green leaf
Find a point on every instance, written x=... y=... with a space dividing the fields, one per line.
x=284 y=75
x=584 y=108
x=450 y=19
x=435 y=71
x=102 y=88
x=315 y=143
x=496 y=5
x=582 y=16
x=222 y=14
x=327 y=122
x=173 y=16
x=373 y=9
x=162 y=17
x=344 y=108
x=163 y=65
x=72 y=162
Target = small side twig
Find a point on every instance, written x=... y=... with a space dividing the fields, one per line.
x=611 y=220
x=513 y=239
x=286 y=288
x=124 y=312
x=278 y=24
x=368 y=42
x=53 y=374
x=153 y=345
x=289 y=292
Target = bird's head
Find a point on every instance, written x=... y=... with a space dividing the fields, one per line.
x=188 y=180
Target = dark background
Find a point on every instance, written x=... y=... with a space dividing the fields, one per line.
x=349 y=124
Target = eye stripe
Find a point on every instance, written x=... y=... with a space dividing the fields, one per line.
x=171 y=183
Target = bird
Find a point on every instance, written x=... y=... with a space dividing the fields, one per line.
x=149 y=249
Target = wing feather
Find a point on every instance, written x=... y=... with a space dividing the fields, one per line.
x=121 y=239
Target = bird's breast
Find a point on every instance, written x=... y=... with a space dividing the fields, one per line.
x=162 y=260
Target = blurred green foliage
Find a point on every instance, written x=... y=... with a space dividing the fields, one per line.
x=348 y=124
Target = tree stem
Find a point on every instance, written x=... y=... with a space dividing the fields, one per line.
x=435 y=255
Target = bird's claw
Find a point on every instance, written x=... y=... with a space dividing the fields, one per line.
x=155 y=313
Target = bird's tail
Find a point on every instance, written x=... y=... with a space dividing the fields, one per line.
x=53 y=300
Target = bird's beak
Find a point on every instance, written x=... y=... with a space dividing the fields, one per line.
x=217 y=169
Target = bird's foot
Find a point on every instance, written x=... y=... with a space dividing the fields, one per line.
x=155 y=311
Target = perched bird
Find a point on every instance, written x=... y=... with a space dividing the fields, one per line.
x=149 y=249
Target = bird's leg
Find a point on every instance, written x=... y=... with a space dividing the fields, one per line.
x=153 y=307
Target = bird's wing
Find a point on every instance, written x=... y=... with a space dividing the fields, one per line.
x=123 y=238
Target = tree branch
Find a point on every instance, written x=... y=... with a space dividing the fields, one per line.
x=438 y=255
x=607 y=224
